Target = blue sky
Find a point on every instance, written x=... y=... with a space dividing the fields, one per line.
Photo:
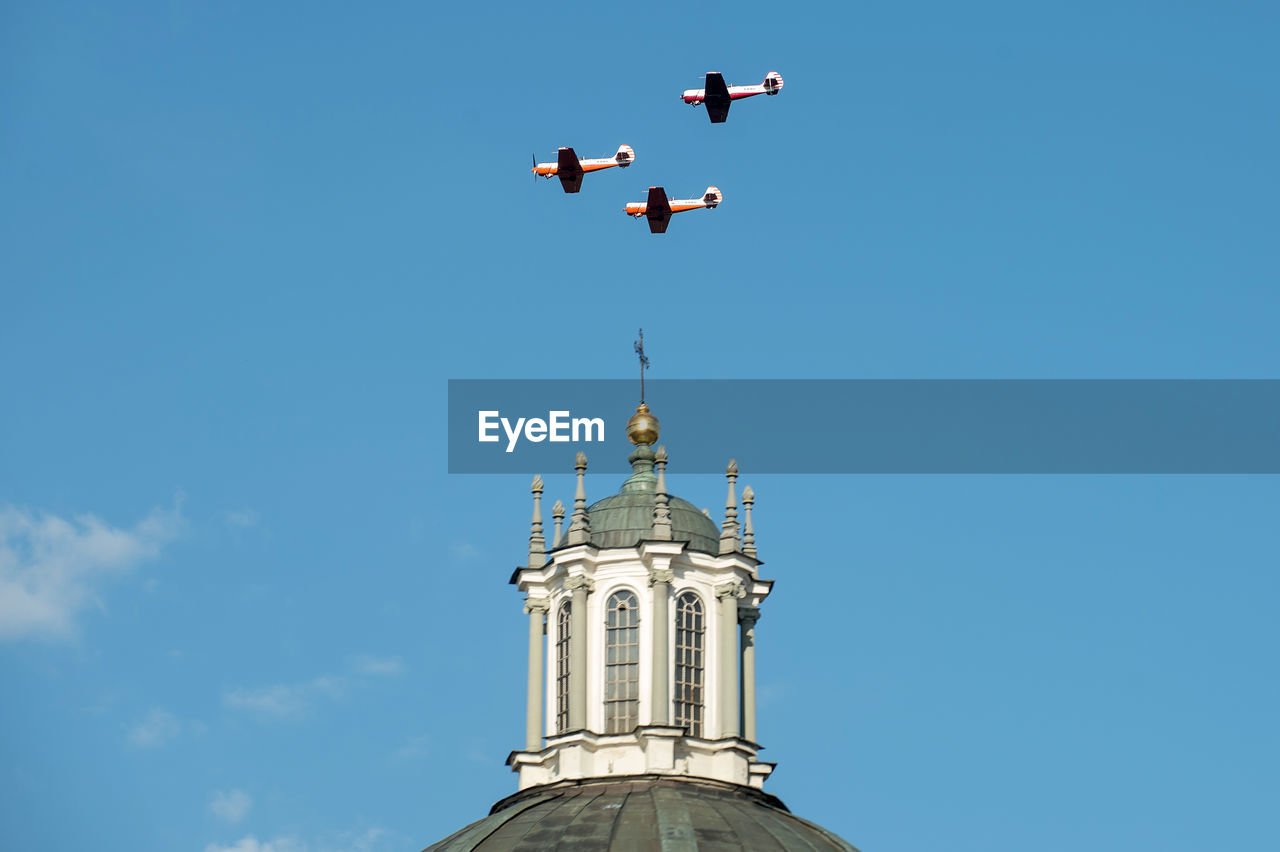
x=242 y=250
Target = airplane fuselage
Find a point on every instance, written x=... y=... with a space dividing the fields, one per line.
x=570 y=169
x=551 y=169
x=697 y=96
x=716 y=95
x=658 y=209
x=678 y=205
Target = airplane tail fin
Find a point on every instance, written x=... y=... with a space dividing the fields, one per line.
x=712 y=197
x=625 y=156
x=772 y=83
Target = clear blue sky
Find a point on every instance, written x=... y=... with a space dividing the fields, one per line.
x=242 y=249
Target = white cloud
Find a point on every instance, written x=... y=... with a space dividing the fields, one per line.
x=158 y=727
x=242 y=518
x=363 y=841
x=290 y=699
x=356 y=841
x=368 y=665
x=249 y=843
x=232 y=805
x=50 y=566
x=414 y=748
x=334 y=686
x=464 y=551
x=279 y=700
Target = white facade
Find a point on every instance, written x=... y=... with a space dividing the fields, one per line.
x=657 y=572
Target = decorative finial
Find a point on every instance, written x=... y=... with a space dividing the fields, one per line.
x=644 y=363
x=579 y=527
x=748 y=532
x=537 y=544
x=661 y=509
x=643 y=427
x=729 y=529
x=557 y=512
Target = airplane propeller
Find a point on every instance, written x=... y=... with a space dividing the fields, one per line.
x=535 y=167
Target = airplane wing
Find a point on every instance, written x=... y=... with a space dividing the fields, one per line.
x=657 y=210
x=569 y=170
x=716 y=97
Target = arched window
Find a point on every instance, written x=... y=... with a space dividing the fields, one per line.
x=622 y=663
x=690 y=636
x=562 y=666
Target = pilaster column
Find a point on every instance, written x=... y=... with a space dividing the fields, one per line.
x=537 y=542
x=537 y=608
x=729 y=594
x=729 y=529
x=580 y=525
x=660 y=580
x=579 y=586
x=661 y=500
x=748 y=616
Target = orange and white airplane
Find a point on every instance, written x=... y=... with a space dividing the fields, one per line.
x=717 y=96
x=570 y=169
x=657 y=209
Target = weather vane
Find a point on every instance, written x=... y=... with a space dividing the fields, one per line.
x=644 y=363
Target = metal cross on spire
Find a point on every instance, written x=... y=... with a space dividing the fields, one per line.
x=644 y=363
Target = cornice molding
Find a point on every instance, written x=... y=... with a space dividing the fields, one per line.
x=734 y=589
x=661 y=575
x=579 y=581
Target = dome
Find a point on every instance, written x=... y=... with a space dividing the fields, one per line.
x=642 y=814
x=626 y=518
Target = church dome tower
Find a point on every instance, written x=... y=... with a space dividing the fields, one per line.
x=641 y=710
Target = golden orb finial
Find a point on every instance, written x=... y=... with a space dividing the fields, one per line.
x=643 y=427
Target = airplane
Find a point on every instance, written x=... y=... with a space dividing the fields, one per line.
x=570 y=169
x=657 y=209
x=717 y=96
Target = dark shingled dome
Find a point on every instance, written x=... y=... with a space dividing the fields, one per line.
x=641 y=814
x=626 y=518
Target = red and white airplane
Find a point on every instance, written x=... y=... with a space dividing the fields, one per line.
x=657 y=209
x=717 y=96
x=570 y=169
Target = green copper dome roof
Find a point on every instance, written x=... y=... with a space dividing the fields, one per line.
x=626 y=518
x=641 y=814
